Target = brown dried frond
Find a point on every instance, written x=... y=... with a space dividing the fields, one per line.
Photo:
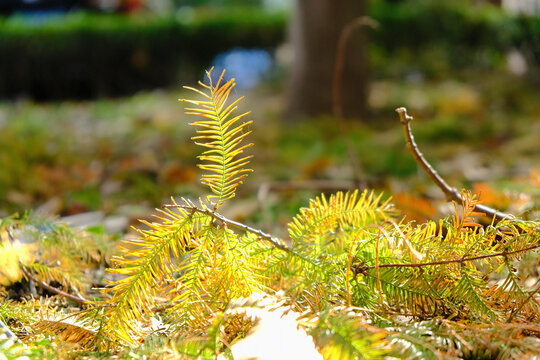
x=465 y=218
x=65 y=330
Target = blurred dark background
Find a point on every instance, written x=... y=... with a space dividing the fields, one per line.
x=58 y=49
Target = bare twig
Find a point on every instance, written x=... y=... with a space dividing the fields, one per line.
x=450 y=192
x=363 y=268
x=262 y=235
x=78 y=300
x=340 y=58
x=336 y=91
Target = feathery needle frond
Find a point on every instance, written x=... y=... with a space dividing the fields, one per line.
x=222 y=134
x=147 y=272
x=340 y=210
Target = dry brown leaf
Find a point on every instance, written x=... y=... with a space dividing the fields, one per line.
x=413 y=207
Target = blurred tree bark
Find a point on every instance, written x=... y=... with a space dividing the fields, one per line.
x=315 y=34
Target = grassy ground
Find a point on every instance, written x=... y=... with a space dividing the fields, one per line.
x=128 y=155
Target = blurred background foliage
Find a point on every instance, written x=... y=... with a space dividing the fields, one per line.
x=90 y=121
x=50 y=55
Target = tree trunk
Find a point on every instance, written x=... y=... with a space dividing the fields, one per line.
x=315 y=33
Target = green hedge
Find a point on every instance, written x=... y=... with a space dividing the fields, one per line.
x=88 y=55
x=84 y=55
x=450 y=33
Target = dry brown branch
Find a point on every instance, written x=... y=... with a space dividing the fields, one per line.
x=261 y=235
x=340 y=58
x=78 y=300
x=362 y=269
x=336 y=90
x=450 y=192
